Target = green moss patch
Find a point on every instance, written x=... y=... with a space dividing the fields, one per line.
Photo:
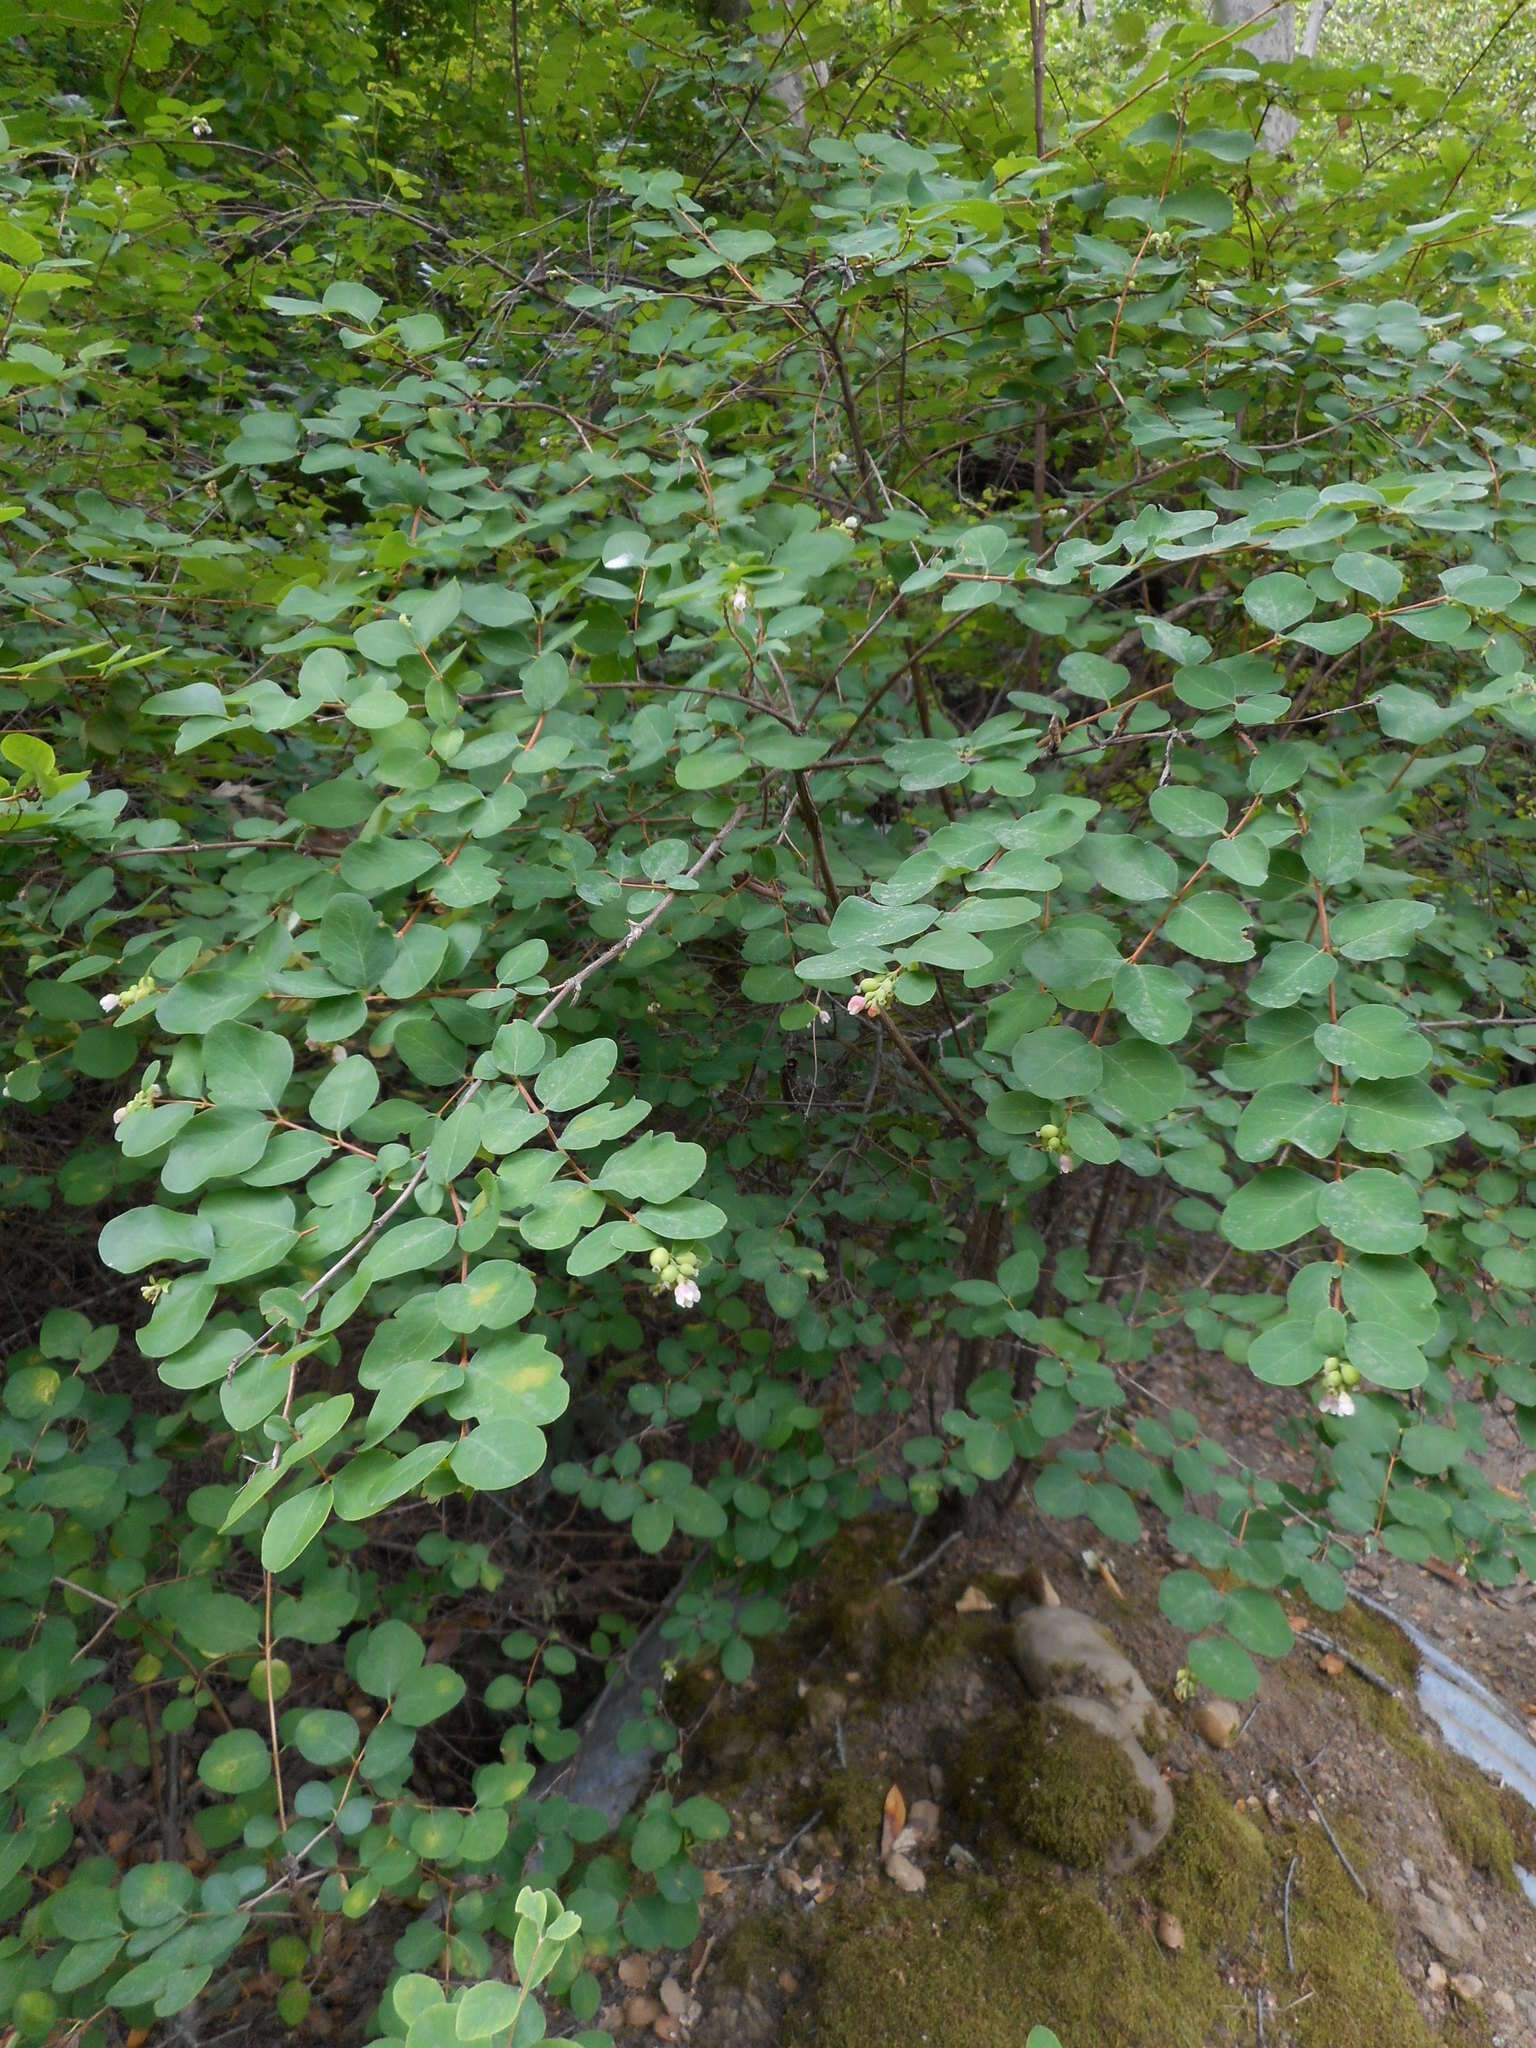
x=976 y=1964
x=1042 y=1780
x=1216 y=1872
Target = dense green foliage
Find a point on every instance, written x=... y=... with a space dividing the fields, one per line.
x=667 y=767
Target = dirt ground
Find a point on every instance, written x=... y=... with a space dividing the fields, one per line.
x=878 y=1686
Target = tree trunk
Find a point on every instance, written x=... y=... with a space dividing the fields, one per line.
x=1273 y=42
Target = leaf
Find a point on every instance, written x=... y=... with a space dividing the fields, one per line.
x=293 y=1526
x=1287 y=1354
x=500 y=1453
x=1278 y=602
x=349 y=1089
x=1376 y=1041
x=1057 y=1063
x=1189 y=1600
x=236 y=1762
x=1129 y=867
x=1211 y=926
x=1387 y=1356
x=1274 y=1209
x=1288 y=1115
x=144 y=1237
x=245 y=1068
x=1225 y=1667
x=1154 y=1002
x=1292 y=973
x=1141 y=1082
x=893 y=1818
x=1371 y=1210
x=1372 y=575
x=577 y=1076
x=1380 y=931
x=1258 y=1622
x=353 y=944
x=656 y=1168
x=1397 y=1116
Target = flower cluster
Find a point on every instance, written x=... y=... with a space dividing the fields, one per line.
x=146 y=1098
x=677 y=1274
x=125 y=998
x=1338 y=1377
x=876 y=994
x=1053 y=1138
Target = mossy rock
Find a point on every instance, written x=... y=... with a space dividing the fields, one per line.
x=1043 y=1780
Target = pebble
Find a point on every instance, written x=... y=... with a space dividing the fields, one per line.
x=789 y=1983
x=1467 y=1987
x=1170 y=1933
x=634 y=1972
x=667 y=2028
x=1435 y=1976
x=1410 y=1872
x=1479 y=1923
x=642 y=2010
x=1218 y=1722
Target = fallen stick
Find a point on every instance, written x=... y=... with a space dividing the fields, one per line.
x=1338 y=1849
x=1290 y=1959
x=1330 y=1648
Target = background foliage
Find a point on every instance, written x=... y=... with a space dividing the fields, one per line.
x=694 y=715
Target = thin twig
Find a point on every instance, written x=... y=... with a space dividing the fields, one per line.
x=1338 y=1850
x=1290 y=1958
x=933 y=1557
x=1330 y=1648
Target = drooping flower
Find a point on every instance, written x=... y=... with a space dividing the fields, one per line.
x=857 y=1005
x=1337 y=1402
x=686 y=1294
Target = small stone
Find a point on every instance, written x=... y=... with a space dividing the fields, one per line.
x=904 y=1873
x=1479 y=1923
x=1039 y=1588
x=825 y=1706
x=1468 y=1989
x=974 y=1601
x=715 y=1884
x=1506 y=2006
x=1170 y=1933
x=1410 y=1872
x=1218 y=1722
x=667 y=2028
x=922 y=1822
x=641 y=2010
x=634 y=1972
x=790 y=1881
x=1331 y=1665
x=1435 y=1976
x=1445 y=1929
x=789 y=1983
x=673 y=1997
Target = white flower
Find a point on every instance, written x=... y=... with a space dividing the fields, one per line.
x=201 y=127
x=851 y=523
x=1338 y=1403
x=741 y=600
x=111 y=1003
x=686 y=1294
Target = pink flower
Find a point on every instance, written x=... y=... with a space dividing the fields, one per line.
x=1337 y=1404
x=857 y=1005
x=686 y=1294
